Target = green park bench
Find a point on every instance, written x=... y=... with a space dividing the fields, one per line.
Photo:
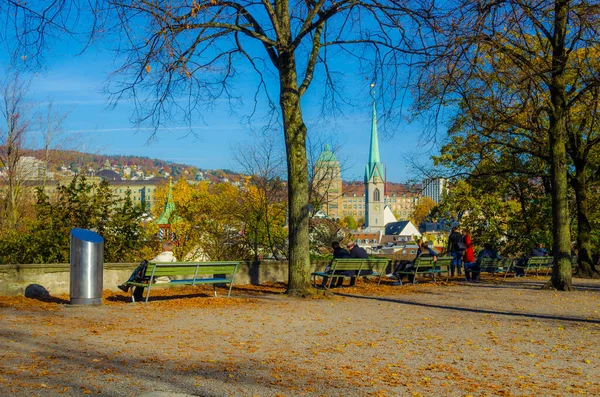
x=188 y=273
x=372 y=267
x=537 y=264
x=495 y=266
x=426 y=266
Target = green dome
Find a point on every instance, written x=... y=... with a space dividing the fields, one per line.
x=327 y=155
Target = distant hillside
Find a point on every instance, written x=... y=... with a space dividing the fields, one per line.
x=76 y=161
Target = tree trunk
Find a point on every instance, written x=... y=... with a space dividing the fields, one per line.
x=297 y=165
x=561 y=270
x=585 y=267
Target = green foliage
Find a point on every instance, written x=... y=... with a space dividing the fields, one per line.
x=350 y=222
x=512 y=213
x=77 y=205
x=124 y=234
x=322 y=233
x=422 y=210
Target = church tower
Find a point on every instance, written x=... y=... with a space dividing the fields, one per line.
x=327 y=183
x=374 y=183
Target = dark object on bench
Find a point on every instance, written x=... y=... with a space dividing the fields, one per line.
x=353 y=267
x=193 y=273
x=427 y=266
x=535 y=263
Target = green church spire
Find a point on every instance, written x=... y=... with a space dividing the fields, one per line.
x=165 y=217
x=374 y=168
x=374 y=152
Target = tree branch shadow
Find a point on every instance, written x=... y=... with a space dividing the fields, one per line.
x=472 y=310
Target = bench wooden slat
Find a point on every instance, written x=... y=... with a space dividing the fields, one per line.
x=209 y=280
x=186 y=271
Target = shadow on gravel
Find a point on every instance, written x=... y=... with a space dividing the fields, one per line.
x=53 y=299
x=142 y=367
x=473 y=310
x=533 y=284
x=127 y=299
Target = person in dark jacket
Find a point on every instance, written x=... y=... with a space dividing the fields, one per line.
x=165 y=256
x=356 y=251
x=360 y=253
x=423 y=252
x=472 y=269
x=456 y=247
x=338 y=252
x=539 y=250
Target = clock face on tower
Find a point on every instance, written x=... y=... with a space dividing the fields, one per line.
x=376 y=207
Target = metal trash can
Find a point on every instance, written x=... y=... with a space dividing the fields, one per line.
x=87 y=260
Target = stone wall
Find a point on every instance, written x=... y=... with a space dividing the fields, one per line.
x=56 y=277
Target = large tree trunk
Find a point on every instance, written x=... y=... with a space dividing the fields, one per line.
x=585 y=267
x=297 y=164
x=561 y=270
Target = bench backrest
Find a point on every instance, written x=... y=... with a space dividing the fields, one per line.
x=190 y=268
x=542 y=261
x=373 y=264
x=506 y=263
x=443 y=263
x=423 y=264
x=489 y=264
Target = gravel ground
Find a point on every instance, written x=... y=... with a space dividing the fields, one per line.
x=506 y=338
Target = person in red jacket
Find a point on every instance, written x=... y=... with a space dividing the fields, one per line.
x=469 y=255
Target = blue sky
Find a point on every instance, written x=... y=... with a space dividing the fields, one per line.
x=75 y=85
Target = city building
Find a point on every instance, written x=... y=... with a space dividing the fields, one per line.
x=435 y=188
x=142 y=191
x=398 y=199
x=31 y=169
x=400 y=232
x=327 y=183
x=374 y=202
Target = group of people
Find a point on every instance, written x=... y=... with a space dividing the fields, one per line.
x=460 y=248
x=352 y=251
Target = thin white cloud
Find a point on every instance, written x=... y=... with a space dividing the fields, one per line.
x=141 y=129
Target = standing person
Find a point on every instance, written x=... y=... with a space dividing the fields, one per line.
x=165 y=256
x=469 y=254
x=338 y=252
x=456 y=247
x=357 y=252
